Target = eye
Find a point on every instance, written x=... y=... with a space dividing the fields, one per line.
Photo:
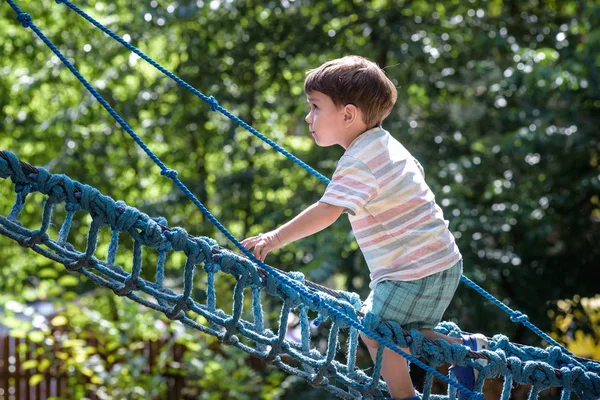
x=314 y=106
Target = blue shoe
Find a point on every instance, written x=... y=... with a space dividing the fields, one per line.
x=465 y=374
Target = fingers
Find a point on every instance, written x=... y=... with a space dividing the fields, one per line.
x=249 y=242
x=260 y=250
x=260 y=245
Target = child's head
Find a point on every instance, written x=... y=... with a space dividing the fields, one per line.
x=358 y=81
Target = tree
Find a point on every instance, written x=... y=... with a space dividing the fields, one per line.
x=497 y=99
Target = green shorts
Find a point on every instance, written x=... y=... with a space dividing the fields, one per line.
x=415 y=304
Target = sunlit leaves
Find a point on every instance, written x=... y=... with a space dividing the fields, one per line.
x=497 y=100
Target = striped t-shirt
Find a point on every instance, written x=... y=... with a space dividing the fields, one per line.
x=395 y=219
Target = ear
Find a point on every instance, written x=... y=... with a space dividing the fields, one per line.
x=351 y=114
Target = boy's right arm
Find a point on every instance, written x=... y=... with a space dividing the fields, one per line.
x=310 y=221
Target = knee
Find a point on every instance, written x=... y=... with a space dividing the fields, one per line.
x=370 y=342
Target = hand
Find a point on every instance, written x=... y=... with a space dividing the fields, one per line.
x=263 y=244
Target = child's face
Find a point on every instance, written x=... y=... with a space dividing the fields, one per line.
x=326 y=120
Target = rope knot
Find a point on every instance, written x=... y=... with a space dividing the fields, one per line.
x=213 y=103
x=169 y=173
x=81 y=262
x=518 y=316
x=211 y=267
x=24 y=19
x=315 y=299
x=178 y=238
x=72 y=207
x=35 y=239
x=127 y=287
x=22 y=188
x=179 y=309
x=230 y=339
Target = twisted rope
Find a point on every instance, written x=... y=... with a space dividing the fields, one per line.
x=515 y=316
x=130 y=284
x=521 y=364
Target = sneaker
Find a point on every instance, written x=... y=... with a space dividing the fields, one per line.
x=465 y=374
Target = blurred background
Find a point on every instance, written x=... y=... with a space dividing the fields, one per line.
x=499 y=100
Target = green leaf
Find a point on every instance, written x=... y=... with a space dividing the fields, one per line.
x=36 y=336
x=68 y=280
x=35 y=379
x=29 y=364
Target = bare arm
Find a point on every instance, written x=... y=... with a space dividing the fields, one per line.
x=310 y=221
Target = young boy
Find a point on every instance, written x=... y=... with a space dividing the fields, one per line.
x=414 y=263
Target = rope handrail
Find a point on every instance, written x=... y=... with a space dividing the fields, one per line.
x=519 y=364
x=337 y=294
x=332 y=292
x=515 y=316
x=315 y=300
x=210 y=100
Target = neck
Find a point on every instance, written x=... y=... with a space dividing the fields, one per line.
x=353 y=134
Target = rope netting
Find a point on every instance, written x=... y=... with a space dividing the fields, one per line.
x=539 y=368
x=553 y=367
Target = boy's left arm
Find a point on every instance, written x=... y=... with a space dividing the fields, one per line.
x=310 y=221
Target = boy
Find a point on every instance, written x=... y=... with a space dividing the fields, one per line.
x=414 y=263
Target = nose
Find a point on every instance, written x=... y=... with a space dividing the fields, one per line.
x=308 y=118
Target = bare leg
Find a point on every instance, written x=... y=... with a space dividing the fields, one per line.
x=394 y=370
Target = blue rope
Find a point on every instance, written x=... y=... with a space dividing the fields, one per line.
x=25 y=20
x=540 y=368
x=515 y=316
x=212 y=102
x=312 y=297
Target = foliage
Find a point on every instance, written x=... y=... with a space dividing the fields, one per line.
x=497 y=99
x=577 y=323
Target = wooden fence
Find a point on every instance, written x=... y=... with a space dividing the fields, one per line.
x=15 y=372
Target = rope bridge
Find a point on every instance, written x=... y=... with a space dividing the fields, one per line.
x=542 y=369
x=520 y=364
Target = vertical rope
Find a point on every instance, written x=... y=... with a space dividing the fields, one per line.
x=92 y=239
x=352 y=347
x=451 y=389
x=160 y=268
x=238 y=301
x=506 y=388
x=48 y=207
x=305 y=335
x=565 y=395
x=377 y=367
x=258 y=315
x=136 y=269
x=533 y=393
x=113 y=247
x=427 y=386
x=22 y=192
x=282 y=330
x=63 y=235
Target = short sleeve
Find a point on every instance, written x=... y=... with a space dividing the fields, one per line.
x=352 y=186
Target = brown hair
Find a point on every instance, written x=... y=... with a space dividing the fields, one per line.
x=358 y=81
